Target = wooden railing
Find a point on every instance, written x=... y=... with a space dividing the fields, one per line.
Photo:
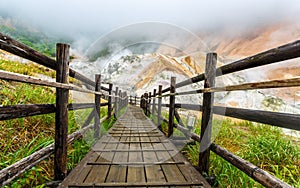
x=285 y=120
x=116 y=100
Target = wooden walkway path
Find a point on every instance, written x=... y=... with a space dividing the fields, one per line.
x=134 y=153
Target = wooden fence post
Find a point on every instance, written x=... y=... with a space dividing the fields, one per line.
x=149 y=103
x=207 y=113
x=153 y=103
x=120 y=102
x=135 y=100
x=172 y=106
x=142 y=102
x=126 y=99
x=159 y=107
x=146 y=103
x=61 y=115
x=97 y=106
x=116 y=101
x=109 y=107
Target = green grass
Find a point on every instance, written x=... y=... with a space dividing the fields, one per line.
x=263 y=145
x=23 y=136
x=29 y=70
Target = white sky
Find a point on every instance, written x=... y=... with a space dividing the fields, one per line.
x=101 y=16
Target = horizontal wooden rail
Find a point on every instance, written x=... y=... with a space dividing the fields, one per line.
x=11 y=172
x=251 y=170
x=19 y=111
x=37 y=81
x=293 y=82
x=12 y=46
x=284 y=120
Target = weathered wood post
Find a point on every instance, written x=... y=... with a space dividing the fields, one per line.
x=146 y=103
x=120 y=102
x=97 y=106
x=116 y=101
x=149 y=103
x=126 y=99
x=206 y=123
x=172 y=106
x=61 y=114
x=153 y=103
x=159 y=107
x=135 y=100
x=142 y=102
x=109 y=107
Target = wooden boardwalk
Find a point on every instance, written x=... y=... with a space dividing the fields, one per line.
x=134 y=153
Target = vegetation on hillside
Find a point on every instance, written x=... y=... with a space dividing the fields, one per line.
x=32 y=37
x=263 y=145
x=23 y=136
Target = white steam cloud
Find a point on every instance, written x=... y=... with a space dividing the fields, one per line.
x=88 y=17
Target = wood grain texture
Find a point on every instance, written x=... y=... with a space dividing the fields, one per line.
x=129 y=156
x=171 y=107
x=61 y=115
x=207 y=113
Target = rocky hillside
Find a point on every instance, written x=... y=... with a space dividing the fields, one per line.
x=139 y=73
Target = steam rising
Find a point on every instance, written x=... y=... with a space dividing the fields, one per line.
x=95 y=17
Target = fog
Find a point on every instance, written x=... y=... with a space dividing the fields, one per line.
x=97 y=17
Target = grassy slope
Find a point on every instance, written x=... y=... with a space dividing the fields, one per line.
x=263 y=145
x=23 y=136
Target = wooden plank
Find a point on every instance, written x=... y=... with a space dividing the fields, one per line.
x=128 y=135
x=72 y=177
x=133 y=142
x=171 y=172
x=91 y=173
x=139 y=184
x=136 y=173
x=111 y=176
x=190 y=173
x=61 y=115
x=153 y=171
x=148 y=164
x=135 y=163
x=207 y=113
x=135 y=150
